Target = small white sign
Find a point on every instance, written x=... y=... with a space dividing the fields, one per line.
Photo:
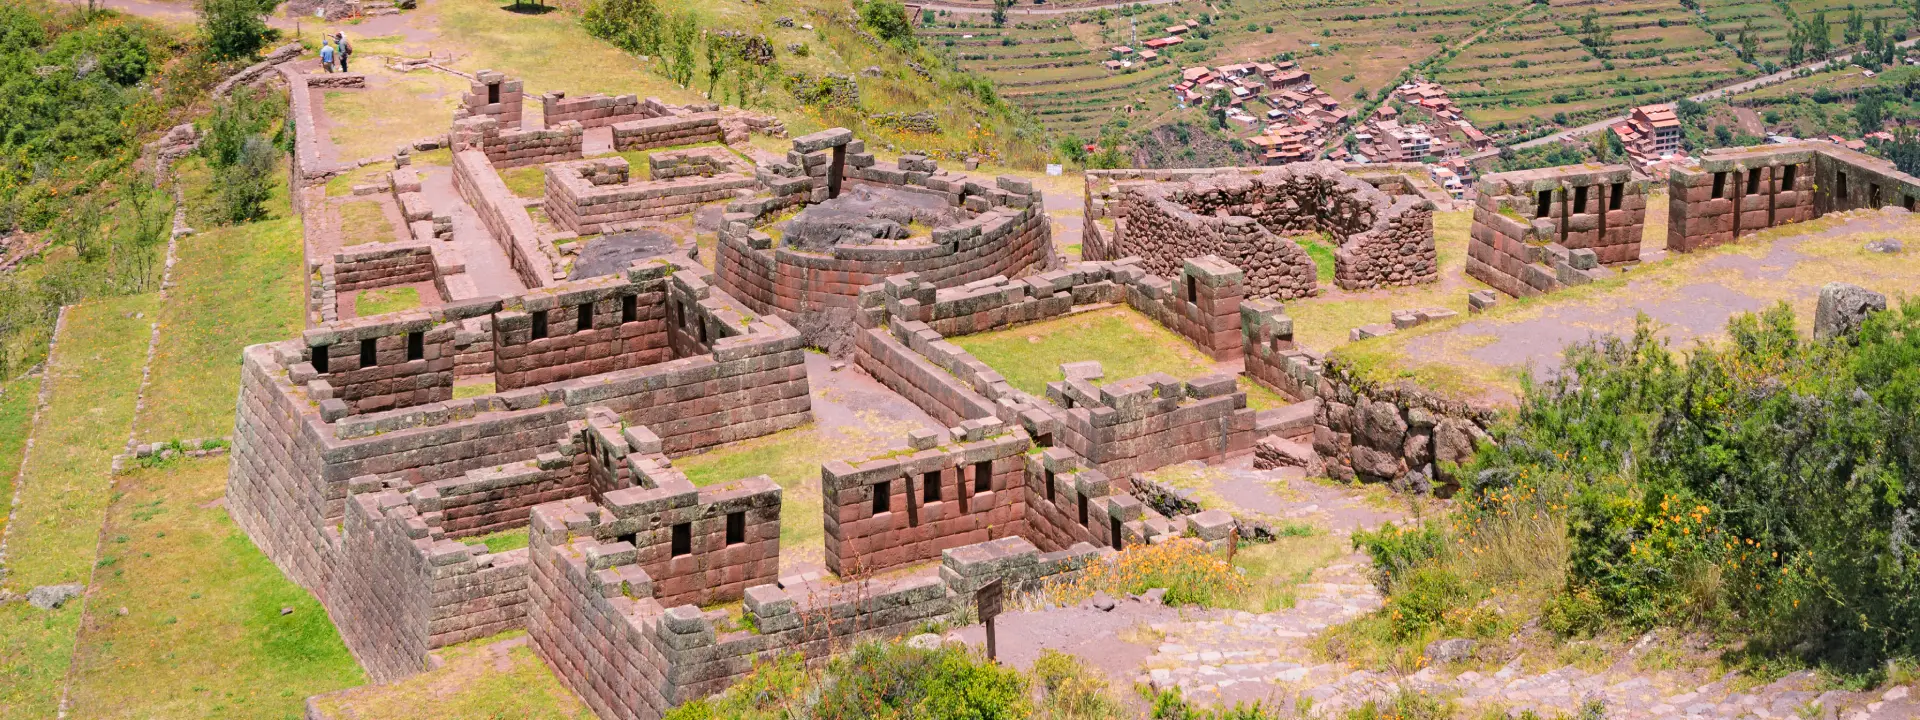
x=1053 y=169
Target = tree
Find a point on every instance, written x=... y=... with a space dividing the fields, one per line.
x=246 y=185
x=1868 y=113
x=1904 y=151
x=1000 y=12
x=888 y=19
x=234 y=28
x=635 y=26
x=679 y=51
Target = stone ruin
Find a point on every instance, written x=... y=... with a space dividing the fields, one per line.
x=1249 y=217
x=979 y=229
x=1536 y=231
x=1731 y=192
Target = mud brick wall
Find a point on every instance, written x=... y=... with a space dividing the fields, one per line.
x=917 y=525
x=1007 y=235
x=1139 y=424
x=595 y=196
x=403 y=588
x=364 y=268
x=506 y=219
x=668 y=131
x=590 y=111
x=413 y=363
x=504 y=102
x=926 y=385
x=1725 y=196
x=540 y=338
x=1241 y=215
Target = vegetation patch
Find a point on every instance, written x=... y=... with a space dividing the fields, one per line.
x=363 y=222
x=385 y=300
x=495 y=677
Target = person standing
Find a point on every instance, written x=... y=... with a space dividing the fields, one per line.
x=326 y=56
x=345 y=51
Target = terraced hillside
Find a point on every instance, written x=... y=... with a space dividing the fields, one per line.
x=1643 y=51
x=1055 y=70
x=1770 y=19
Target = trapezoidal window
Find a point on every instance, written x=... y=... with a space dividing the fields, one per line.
x=320 y=358
x=1614 y=194
x=1840 y=190
x=930 y=487
x=683 y=539
x=882 y=496
x=1049 y=479
x=1083 y=509
x=1116 y=532
x=1719 y=185
x=983 y=470
x=539 y=324
x=1543 y=203
x=493 y=93
x=1787 y=175
x=583 y=318
x=736 y=527
x=416 y=346
x=1907 y=203
x=1579 y=199
x=1873 y=195
x=1193 y=290
x=1753 y=181
x=369 y=353
x=629 y=308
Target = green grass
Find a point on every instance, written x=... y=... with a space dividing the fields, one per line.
x=203 y=636
x=364 y=221
x=342 y=185
x=234 y=286
x=1127 y=344
x=1324 y=263
x=95 y=374
x=394 y=109
x=527 y=181
x=792 y=459
x=464 y=390
x=18 y=398
x=501 y=541
x=1277 y=569
x=470 y=685
x=385 y=300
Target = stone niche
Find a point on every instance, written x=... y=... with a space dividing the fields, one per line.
x=1250 y=219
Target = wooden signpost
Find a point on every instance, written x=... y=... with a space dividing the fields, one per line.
x=987 y=599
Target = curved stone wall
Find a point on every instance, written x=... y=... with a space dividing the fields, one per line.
x=1383 y=239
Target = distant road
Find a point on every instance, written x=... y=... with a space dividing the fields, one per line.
x=1035 y=9
x=1714 y=94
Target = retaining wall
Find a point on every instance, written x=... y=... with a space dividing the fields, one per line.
x=389 y=264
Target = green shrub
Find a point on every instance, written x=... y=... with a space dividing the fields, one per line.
x=246 y=185
x=234 y=29
x=874 y=680
x=1397 y=551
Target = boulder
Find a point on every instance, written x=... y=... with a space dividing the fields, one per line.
x=1842 y=309
x=1449 y=650
x=51 y=597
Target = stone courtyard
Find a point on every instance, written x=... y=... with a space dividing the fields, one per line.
x=616 y=299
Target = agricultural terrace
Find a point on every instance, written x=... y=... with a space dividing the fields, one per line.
x=1644 y=51
x=1770 y=20
x=1054 y=68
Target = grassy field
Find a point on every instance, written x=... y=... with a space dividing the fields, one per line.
x=1127 y=344
x=203 y=634
x=492 y=677
x=1321 y=323
x=18 y=398
x=362 y=222
x=95 y=377
x=233 y=286
x=385 y=300
x=1443 y=355
x=1538 y=67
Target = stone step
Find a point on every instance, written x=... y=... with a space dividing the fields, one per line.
x=1294 y=422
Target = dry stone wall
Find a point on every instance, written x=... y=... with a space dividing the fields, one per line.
x=595 y=196
x=590 y=111
x=1243 y=216
x=506 y=218
x=1735 y=191
x=295 y=455
x=508 y=146
x=1537 y=231
x=1005 y=235
x=962 y=491
x=390 y=264
x=493 y=95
